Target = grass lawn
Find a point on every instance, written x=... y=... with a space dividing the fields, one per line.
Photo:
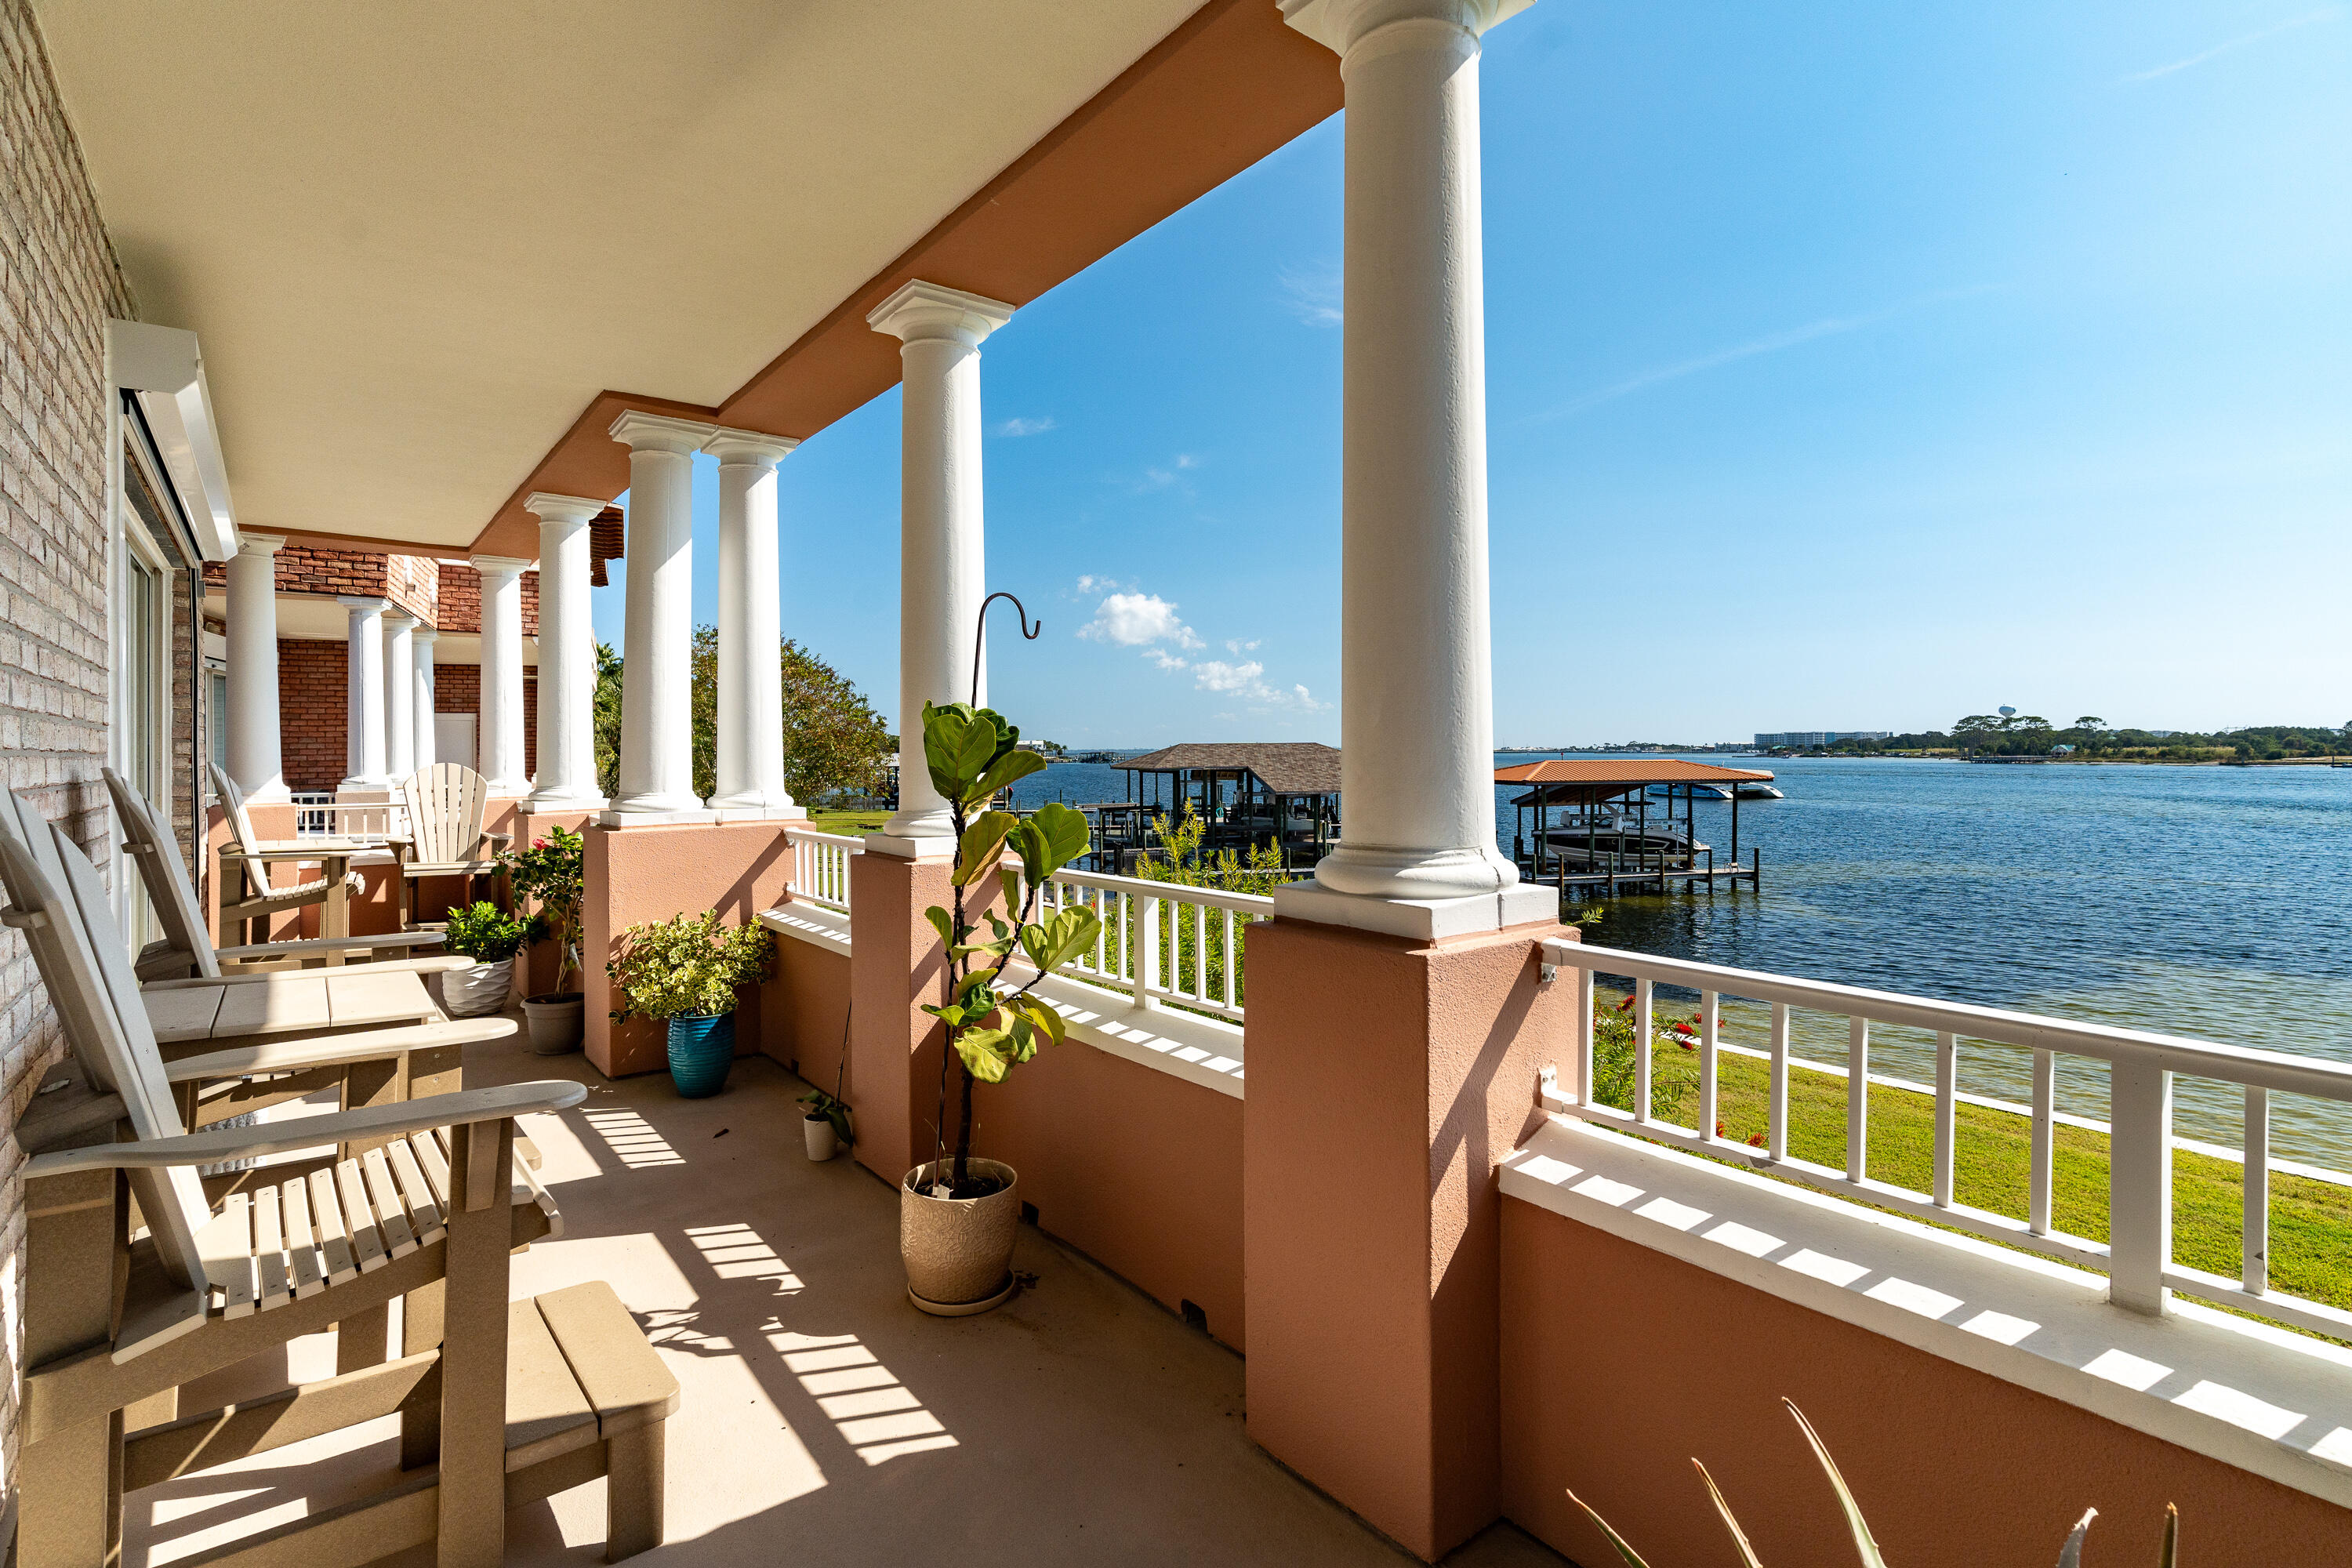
x=2311 y=1222
x=848 y=824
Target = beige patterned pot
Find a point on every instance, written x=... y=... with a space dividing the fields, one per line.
x=959 y=1251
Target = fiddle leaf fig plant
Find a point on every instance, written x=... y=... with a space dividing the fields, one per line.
x=972 y=755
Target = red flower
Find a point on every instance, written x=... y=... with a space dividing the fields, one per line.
x=1757 y=1140
x=1688 y=1046
x=1718 y=1129
x=1626 y=1005
x=1681 y=1026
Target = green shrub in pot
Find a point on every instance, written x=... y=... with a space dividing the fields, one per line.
x=684 y=971
x=490 y=937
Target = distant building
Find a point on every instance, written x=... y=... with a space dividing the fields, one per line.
x=1805 y=740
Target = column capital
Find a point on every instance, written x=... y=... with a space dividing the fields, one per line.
x=399 y=620
x=500 y=567
x=749 y=447
x=1341 y=24
x=642 y=432
x=423 y=636
x=561 y=508
x=260 y=543
x=917 y=310
x=362 y=603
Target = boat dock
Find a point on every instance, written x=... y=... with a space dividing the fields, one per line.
x=1585 y=823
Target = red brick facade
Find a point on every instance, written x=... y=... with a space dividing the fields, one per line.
x=461 y=600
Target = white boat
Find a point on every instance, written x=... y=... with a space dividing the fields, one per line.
x=1759 y=792
x=1691 y=791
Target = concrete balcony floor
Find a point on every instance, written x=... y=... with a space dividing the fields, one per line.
x=824 y=1420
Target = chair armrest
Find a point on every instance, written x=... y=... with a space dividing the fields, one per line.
x=431 y=963
x=274 y=1056
x=299 y=947
x=320 y=850
x=463 y=1109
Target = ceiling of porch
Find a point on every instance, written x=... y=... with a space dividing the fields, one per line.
x=422 y=245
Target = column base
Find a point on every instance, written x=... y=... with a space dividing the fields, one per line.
x=1427 y=919
x=927 y=847
x=550 y=804
x=616 y=817
x=359 y=792
x=505 y=789
x=274 y=792
x=754 y=807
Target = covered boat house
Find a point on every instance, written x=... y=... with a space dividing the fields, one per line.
x=1285 y=792
x=1592 y=821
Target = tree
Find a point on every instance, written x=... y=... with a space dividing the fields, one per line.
x=607 y=722
x=2090 y=725
x=834 y=743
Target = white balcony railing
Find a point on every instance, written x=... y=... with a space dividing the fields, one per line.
x=821 y=867
x=2137 y=1258
x=1162 y=942
x=318 y=814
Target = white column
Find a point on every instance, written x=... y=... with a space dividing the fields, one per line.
x=657 y=643
x=1416 y=678
x=399 y=696
x=502 y=768
x=567 y=658
x=750 y=749
x=363 y=772
x=425 y=750
x=942 y=576
x=254 y=759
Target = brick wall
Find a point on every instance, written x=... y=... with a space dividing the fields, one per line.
x=457 y=688
x=59 y=284
x=416 y=586
x=313 y=696
x=461 y=600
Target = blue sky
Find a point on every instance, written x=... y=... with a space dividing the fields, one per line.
x=1849 y=366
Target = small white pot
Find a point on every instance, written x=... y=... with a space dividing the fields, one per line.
x=959 y=1251
x=823 y=1142
x=477 y=991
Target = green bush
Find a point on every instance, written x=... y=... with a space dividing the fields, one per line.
x=487 y=934
x=688 y=966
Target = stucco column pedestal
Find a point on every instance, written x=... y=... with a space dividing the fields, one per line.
x=896 y=1047
x=650 y=872
x=1388 y=1077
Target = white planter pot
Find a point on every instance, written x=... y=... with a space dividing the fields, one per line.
x=823 y=1143
x=959 y=1251
x=477 y=990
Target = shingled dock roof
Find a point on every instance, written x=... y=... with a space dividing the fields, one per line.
x=1626 y=771
x=1285 y=767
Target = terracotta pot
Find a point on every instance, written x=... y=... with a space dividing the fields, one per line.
x=557 y=1022
x=959 y=1251
x=823 y=1142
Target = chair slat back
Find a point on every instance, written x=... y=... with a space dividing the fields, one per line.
x=232 y=797
x=446 y=805
x=88 y=976
x=169 y=888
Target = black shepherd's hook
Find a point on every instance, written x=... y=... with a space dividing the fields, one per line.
x=980 y=630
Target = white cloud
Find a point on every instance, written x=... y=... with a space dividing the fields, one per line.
x=1314 y=293
x=1132 y=620
x=2324 y=14
x=1090 y=583
x=1247 y=681
x=1036 y=427
x=1165 y=660
x=1216 y=675
x=1235 y=645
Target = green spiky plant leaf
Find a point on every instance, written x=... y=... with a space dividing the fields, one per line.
x=1863 y=1544
x=1739 y=1536
x=1632 y=1558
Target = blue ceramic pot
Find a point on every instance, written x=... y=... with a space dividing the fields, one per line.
x=702 y=1050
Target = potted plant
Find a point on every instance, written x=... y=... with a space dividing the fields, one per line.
x=490 y=937
x=825 y=1126
x=684 y=971
x=956 y=1222
x=550 y=873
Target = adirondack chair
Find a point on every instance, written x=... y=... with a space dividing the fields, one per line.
x=446 y=802
x=185 y=951
x=251 y=857
x=512 y=1402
